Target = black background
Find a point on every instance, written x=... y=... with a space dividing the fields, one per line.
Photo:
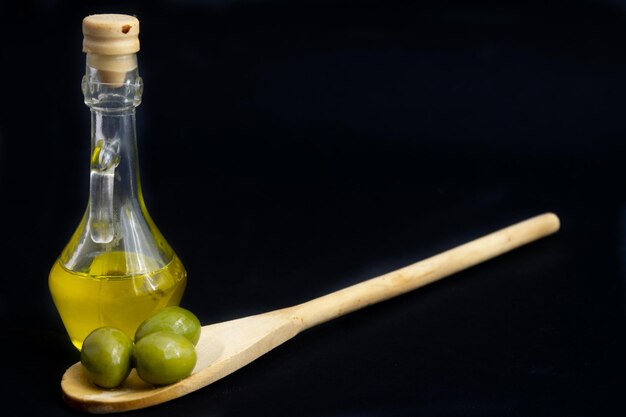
x=291 y=148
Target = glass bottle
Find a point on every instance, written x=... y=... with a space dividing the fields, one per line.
x=117 y=268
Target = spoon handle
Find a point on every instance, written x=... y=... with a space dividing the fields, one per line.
x=424 y=272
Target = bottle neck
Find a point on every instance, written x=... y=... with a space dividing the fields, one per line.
x=114 y=171
x=116 y=220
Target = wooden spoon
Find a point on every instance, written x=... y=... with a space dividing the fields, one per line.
x=225 y=347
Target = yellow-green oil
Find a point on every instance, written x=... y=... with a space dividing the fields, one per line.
x=107 y=295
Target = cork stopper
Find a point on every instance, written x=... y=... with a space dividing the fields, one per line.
x=111 y=42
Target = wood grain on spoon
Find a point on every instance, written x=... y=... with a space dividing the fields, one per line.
x=225 y=347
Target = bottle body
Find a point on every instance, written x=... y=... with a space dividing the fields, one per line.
x=107 y=295
x=117 y=268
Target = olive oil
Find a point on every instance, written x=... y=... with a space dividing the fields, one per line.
x=107 y=295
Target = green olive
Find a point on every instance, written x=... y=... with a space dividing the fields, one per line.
x=174 y=319
x=164 y=357
x=106 y=355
